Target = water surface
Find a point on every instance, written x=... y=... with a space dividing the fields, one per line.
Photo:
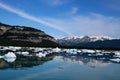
x=60 y=68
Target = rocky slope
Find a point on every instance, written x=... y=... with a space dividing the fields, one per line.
x=24 y=36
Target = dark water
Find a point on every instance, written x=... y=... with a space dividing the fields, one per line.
x=59 y=68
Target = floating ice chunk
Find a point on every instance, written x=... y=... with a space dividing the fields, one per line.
x=1 y=56
x=40 y=54
x=12 y=48
x=10 y=59
x=10 y=55
x=5 y=48
x=25 y=53
x=18 y=52
x=72 y=51
x=115 y=60
x=88 y=51
x=38 y=49
x=105 y=51
x=98 y=51
x=56 y=49
x=79 y=51
x=117 y=53
x=47 y=52
x=99 y=54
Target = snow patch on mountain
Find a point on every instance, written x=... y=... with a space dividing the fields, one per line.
x=72 y=40
x=87 y=38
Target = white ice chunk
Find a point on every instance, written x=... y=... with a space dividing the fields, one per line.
x=79 y=51
x=10 y=55
x=40 y=54
x=5 y=48
x=117 y=53
x=1 y=56
x=72 y=51
x=25 y=53
x=115 y=60
x=56 y=49
x=38 y=49
x=10 y=59
x=88 y=51
x=18 y=52
x=98 y=51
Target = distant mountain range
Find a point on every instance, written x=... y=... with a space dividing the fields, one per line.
x=90 y=41
x=27 y=36
x=24 y=36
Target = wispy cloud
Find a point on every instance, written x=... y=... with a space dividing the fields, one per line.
x=74 y=10
x=30 y=17
x=92 y=24
x=56 y=2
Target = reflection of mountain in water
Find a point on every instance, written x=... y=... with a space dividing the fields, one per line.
x=22 y=62
x=84 y=60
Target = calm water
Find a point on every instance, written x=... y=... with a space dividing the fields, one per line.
x=59 y=68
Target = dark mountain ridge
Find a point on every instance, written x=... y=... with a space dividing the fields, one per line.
x=24 y=36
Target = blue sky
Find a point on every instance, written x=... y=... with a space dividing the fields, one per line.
x=61 y=18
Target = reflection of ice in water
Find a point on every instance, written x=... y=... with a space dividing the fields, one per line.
x=83 y=61
x=10 y=59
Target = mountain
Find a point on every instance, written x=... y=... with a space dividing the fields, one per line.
x=90 y=41
x=24 y=36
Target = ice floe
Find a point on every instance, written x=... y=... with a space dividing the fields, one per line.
x=38 y=49
x=117 y=53
x=72 y=51
x=1 y=56
x=115 y=60
x=10 y=55
x=40 y=54
x=88 y=51
x=7 y=52
x=25 y=53
x=56 y=49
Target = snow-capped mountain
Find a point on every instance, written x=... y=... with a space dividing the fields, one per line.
x=89 y=41
x=84 y=39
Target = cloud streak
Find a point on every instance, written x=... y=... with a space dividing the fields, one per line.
x=92 y=24
x=56 y=2
x=74 y=10
x=32 y=18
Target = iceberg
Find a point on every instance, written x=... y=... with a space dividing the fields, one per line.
x=56 y=50
x=40 y=55
x=88 y=51
x=72 y=51
x=10 y=59
x=115 y=60
x=117 y=54
x=1 y=56
x=38 y=49
x=10 y=55
x=25 y=53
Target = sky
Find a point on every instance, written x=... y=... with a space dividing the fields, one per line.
x=60 y=18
